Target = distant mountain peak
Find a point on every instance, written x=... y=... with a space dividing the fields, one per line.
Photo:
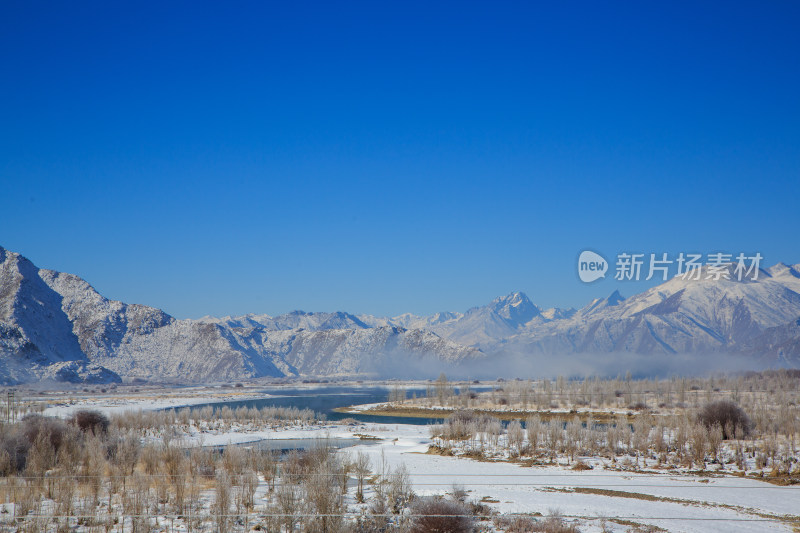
x=599 y=304
x=513 y=298
x=56 y=325
x=615 y=298
x=515 y=307
x=782 y=269
x=555 y=313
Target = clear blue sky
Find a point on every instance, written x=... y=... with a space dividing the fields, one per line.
x=381 y=157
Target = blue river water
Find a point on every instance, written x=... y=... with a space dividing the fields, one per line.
x=324 y=399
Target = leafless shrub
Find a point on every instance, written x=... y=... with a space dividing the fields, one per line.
x=46 y=436
x=323 y=494
x=222 y=501
x=201 y=462
x=266 y=463
x=289 y=504
x=459 y=493
x=151 y=460
x=533 y=429
x=93 y=466
x=13 y=451
x=516 y=435
x=41 y=456
x=26 y=497
x=580 y=465
x=730 y=417
x=124 y=451
x=55 y=429
x=90 y=421
x=378 y=518
x=399 y=492
x=699 y=442
x=460 y=425
x=440 y=516
x=361 y=467
x=554 y=524
x=135 y=500
x=517 y=524
x=249 y=486
x=234 y=460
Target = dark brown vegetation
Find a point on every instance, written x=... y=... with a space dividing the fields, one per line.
x=90 y=421
x=436 y=515
x=728 y=416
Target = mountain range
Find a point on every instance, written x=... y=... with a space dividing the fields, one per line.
x=57 y=326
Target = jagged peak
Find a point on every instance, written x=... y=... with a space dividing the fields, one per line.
x=515 y=307
x=781 y=269
x=515 y=299
x=615 y=298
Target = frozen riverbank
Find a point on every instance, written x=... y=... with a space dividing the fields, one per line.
x=675 y=501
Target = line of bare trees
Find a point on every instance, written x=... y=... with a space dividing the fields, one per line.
x=98 y=474
x=773 y=388
x=720 y=432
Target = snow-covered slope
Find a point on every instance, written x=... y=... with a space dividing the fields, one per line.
x=35 y=331
x=48 y=318
x=56 y=325
x=678 y=316
x=294 y=320
x=484 y=326
x=757 y=318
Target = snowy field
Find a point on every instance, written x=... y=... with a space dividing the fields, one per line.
x=147 y=401
x=594 y=499
x=693 y=503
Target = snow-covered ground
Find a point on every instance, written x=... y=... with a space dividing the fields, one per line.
x=706 y=504
x=146 y=402
x=675 y=501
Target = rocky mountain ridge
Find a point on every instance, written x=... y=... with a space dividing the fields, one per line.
x=55 y=325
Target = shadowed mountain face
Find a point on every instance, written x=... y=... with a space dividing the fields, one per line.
x=55 y=325
x=31 y=312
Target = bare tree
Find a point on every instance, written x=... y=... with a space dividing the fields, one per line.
x=516 y=435
x=222 y=501
x=289 y=501
x=361 y=467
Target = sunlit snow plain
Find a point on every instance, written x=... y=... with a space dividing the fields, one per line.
x=707 y=504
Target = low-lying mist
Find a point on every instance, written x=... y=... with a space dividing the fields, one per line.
x=510 y=365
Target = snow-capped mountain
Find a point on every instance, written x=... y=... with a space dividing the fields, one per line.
x=36 y=336
x=294 y=320
x=485 y=326
x=678 y=316
x=482 y=326
x=56 y=325
x=755 y=317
